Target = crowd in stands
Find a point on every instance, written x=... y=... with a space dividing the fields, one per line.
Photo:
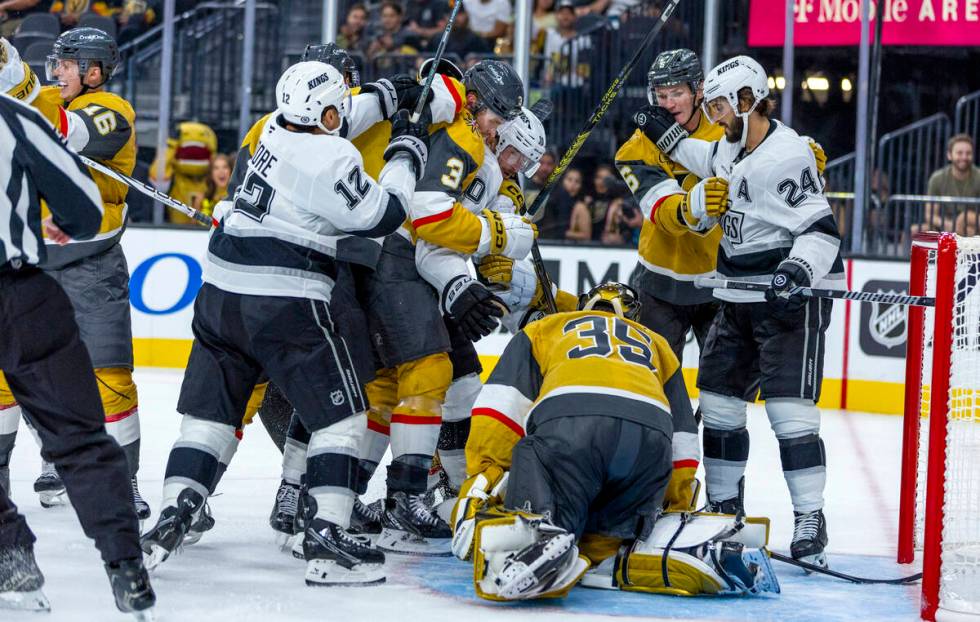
x=30 y=21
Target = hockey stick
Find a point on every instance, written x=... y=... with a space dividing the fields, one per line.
x=811 y=292
x=420 y=106
x=152 y=192
x=840 y=575
x=600 y=111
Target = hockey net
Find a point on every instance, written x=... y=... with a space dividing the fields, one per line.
x=940 y=495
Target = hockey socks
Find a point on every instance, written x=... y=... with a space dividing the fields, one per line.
x=331 y=469
x=805 y=468
x=725 y=455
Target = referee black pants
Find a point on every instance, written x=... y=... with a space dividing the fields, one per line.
x=50 y=374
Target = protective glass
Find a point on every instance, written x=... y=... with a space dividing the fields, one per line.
x=513 y=160
x=717 y=109
x=675 y=95
x=53 y=63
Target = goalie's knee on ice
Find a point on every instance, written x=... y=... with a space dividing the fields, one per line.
x=792 y=418
x=722 y=412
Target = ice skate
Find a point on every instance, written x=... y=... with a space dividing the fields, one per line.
x=173 y=524
x=203 y=521
x=334 y=557
x=409 y=527
x=284 y=512
x=728 y=506
x=131 y=588
x=49 y=487
x=5 y=479
x=441 y=495
x=365 y=519
x=21 y=580
x=141 y=506
x=809 y=538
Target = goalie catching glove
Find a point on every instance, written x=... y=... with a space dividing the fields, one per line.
x=660 y=127
x=411 y=139
x=472 y=307
x=506 y=234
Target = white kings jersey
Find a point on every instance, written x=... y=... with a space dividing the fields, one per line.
x=777 y=210
x=300 y=192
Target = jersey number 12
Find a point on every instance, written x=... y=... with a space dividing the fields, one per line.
x=254 y=197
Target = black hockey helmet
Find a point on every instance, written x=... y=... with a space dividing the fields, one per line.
x=446 y=67
x=86 y=46
x=613 y=297
x=497 y=86
x=680 y=66
x=337 y=57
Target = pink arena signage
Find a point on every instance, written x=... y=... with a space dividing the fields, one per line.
x=838 y=22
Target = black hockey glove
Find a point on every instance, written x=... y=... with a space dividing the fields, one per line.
x=387 y=95
x=409 y=91
x=472 y=307
x=788 y=275
x=660 y=127
x=410 y=138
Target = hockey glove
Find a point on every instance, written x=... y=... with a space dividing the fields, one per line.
x=409 y=91
x=704 y=204
x=410 y=138
x=660 y=127
x=472 y=307
x=509 y=235
x=818 y=153
x=495 y=271
x=387 y=93
x=512 y=281
x=789 y=275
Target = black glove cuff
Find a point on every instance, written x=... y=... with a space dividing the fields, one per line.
x=414 y=147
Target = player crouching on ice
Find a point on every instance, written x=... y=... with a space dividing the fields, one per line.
x=612 y=438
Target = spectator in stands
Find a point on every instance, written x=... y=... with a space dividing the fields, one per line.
x=562 y=46
x=489 y=18
x=543 y=17
x=623 y=222
x=68 y=11
x=187 y=164
x=134 y=19
x=13 y=12
x=534 y=185
x=426 y=20
x=392 y=37
x=554 y=223
x=222 y=165
x=351 y=36
x=462 y=40
x=961 y=179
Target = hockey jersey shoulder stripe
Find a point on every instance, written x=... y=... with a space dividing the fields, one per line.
x=501 y=417
x=426 y=220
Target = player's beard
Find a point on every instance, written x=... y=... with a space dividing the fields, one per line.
x=733 y=131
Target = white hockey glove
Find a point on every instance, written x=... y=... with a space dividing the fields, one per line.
x=472 y=307
x=704 y=204
x=409 y=138
x=513 y=281
x=14 y=73
x=387 y=96
x=506 y=234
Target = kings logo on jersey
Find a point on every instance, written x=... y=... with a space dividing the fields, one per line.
x=732 y=224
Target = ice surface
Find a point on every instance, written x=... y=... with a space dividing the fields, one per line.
x=236 y=573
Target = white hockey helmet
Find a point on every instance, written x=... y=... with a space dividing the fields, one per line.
x=308 y=88
x=725 y=80
x=525 y=136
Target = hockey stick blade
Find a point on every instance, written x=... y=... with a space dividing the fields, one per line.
x=841 y=575
x=811 y=292
x=417 y=113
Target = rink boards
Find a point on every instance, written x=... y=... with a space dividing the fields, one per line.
x=865 y=344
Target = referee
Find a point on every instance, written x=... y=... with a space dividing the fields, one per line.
x=47 y=366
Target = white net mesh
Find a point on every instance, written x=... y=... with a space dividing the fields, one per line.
x=928 y=324
x=960 y=577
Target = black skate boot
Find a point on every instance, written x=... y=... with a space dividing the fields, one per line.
x=440 y=491
x=334 y=557
x=365 y=519
x=203 y=521
x=284 y=511
x=809 y=538
x=728 y=506
x=131 y=587
x=141 y=506
x=173 y=524
x=409 y=527
x=5 y=479
x=21 y=580
x=49 y=486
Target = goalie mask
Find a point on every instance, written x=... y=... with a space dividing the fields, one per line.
x=308 y=88
x=722 y=85
x=614 y=297
x=521 y=143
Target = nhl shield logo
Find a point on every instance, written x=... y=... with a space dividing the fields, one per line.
x=337 y=397
x=883 y=326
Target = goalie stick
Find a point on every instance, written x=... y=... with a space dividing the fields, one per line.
x=600 y=111
x=152 y=192
x=811 y=292
x=417 y=113
x=840 y=575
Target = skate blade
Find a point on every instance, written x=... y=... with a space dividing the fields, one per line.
x=144 y=616
x=34 y=600
x=327 y=573
x=192 y=537
x=155 y=557
x=405 y=543
x=52 y=499
x=284 y=541
x=297 y=549
x=817 y=559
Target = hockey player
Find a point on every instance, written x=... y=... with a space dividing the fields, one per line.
x=269 y=273
x=577 y=418
x=762 y=181
x=99 y=125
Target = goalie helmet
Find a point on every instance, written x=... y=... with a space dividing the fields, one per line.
x=497 y=87
x=308 y=88
x=681 y=66
x=84 y=46
x=337 y=57
x=617 y=298
x=525 y=135
x=725 y=80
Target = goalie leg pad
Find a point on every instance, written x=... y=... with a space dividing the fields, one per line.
x=477 y=494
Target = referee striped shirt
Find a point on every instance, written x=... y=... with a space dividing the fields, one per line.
x=35 y=163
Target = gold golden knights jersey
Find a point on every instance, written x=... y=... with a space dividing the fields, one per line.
x=581 y=363
x=671 y=255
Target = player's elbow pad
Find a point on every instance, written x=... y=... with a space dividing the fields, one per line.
x=392 y=217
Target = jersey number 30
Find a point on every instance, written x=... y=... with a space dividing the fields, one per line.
x=635 y=346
